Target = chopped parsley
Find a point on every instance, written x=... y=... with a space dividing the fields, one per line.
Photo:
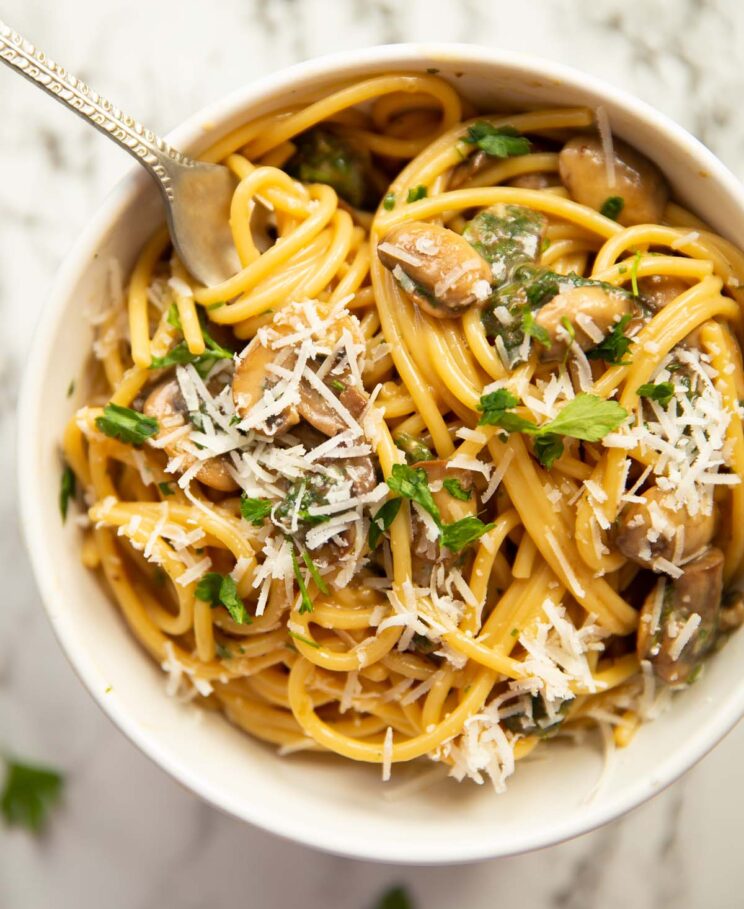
x=126 y=424
x=67 y=487
x=213 y=306
x=166 y=489
x=388 y=203
x=411 y=483
x=586 y=417
x=634 y=273
x=337 y=385
x=497 y=141
x=417 y=192
x=455 y=488
x=506 y=237
x=221 y=590
x=28 y=795
x=414 y=449
x=314 y=573
x=325 y=157
x=612 y=206
x=180 y=355
x=663 y=392
x=255 y=511
x=614 y=346
x=533 y=330
x=306 y=604
x=71 y=388
x=382 y=520
x=299 y=637
x=462 y=533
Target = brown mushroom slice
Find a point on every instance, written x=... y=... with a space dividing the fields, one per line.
x=687 y=622
x=166 y=403
x=436 y=267
x=450 y=507
x=637 y=181
x=731 y=616
x=650 y=529
x=318 y=410
x=660 y=290
x=252 y=379
x=591 y=310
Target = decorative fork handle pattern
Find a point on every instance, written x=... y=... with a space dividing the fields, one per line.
x=159 y=158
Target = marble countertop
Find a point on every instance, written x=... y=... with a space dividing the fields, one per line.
x=128 y=837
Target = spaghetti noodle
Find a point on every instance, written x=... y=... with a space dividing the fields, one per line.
x=450 y=465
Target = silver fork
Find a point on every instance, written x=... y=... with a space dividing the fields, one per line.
x=197 y=196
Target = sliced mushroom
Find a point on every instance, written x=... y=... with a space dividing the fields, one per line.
x=436 y=267
x=252 y=381
x=659 y=290
x=637 y=181
x=166 y=403
x=588 y=311
x=732 y=612
x=451 y=508
x=697 y=592
x=651 y=529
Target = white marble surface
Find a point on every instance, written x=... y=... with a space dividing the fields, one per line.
x=127 y=836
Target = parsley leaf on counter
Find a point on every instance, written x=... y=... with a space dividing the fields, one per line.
x=395 y=898
x=126 y=424
x=28 y=794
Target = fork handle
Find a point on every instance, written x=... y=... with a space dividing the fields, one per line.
x=150 y=150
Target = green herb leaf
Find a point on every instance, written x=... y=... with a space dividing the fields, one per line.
x=388 y=203
x=213 y=306
x=323 y=156
x=395 y=898
x=306 y=604
x=634 y=273
x=126 y=424
x=255 y=511
x=462 y=533
x=548 y=449
x=337 y=386
x=455 y=488
x=586 y=417
x=417 y=192
x=497 y=141
x=614 y=346
x=495 y=407
x=166 y=489
x=414 y=449
x=382 y=520
x=67 y=487
x=411 y=483
x=28 y=795
x=531 y=328
x=299 y=637
x=663 y=392
x=612 y=206
x=313 y=569
x=173 y=319
x=221 y=590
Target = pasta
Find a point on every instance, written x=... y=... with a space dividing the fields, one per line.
x=451 y=465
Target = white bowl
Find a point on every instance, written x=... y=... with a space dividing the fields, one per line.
x=323 y=801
